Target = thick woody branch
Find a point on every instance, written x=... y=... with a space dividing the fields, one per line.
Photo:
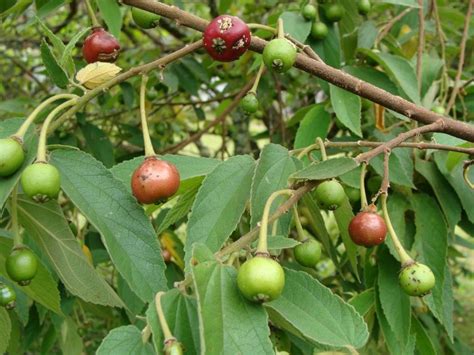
x=323 y=71
x=248 y=238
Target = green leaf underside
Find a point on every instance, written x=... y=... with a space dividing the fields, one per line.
x=326 y=169
x=124 y=340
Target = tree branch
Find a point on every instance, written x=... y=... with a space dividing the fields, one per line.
x=325 y=72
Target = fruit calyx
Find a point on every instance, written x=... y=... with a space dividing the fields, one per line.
x=226 y=38
x=155 y=180
x=100 y=46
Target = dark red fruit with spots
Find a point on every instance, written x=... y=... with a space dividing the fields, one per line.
x=155 y=180
x=226 y=38
x=100 y=46
x=367 y=229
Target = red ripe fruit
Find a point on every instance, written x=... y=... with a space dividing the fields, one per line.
x=226 y=38
x=155 y=180
x=100 y=46
x=367 y=229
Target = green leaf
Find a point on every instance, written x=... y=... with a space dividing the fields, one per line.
x=47 y=226
x=363 y=302
x=410 y=3
x=431 y=243
x=219 y=204
x=110 y=13
x=5 y=329
x=314 y=124
x=296 y=25
x=48 y=7
x=444 y=192
x=70 y=341
x=98 y=143
x=7 y=128
x=124 y=340
x=318 y=314
x=108 y=206
x=58 y=45
x=400 y=72
x=229 y=323
x=344 y=216
x=55 y=72
x=374 y=77
x=394 y=302
x=347 y=107
x=326 y=169
x=367 y=34
x=278 y=242
x=424 y=345
x=328 y=49
x=42 y=289
x=273 y=170
x=66 y=57
x=182 y=317
x=391 y=339
x=182 y=206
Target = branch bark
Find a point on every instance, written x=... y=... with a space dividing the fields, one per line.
x=325 y=72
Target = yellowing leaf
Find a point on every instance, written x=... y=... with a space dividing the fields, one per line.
x=96 y=74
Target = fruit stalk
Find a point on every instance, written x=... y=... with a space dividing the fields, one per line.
x=149 y=151
x=17 y=238
x=405 y=259
x=322 y=148
x=363 y=194
x=41 y=154
x=281 y=30
x=161 y=317
x=90 y=11
x=262 y=239
x=254 y=88
x=31 y=118
x=299 y=227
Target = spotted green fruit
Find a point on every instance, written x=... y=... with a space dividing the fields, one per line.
x=12 y=156
x=308 y=253
x=417 y=279
x=7 y=297
x=249 y=103
x=279 y=55
x=21 y=265
x=319 y=30
x=144 y=19
x=261 y=279
x=330 y=194
x=309 y=12
x=41 y=182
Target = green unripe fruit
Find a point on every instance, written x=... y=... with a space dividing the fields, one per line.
x=41 y=182
x=308 y=253
x=309 y=12
x=319 y=30
x=22 y=266
x=173 y=348
x=417 y=279
x=352 y=193
x=12 y=156
x=330 y=194
x=249 y=103
x=144 y=19
x=334 y=12
x=363 y=6
x=440 y=110
x=7 y=297
x=279 y=55
x=261 y=279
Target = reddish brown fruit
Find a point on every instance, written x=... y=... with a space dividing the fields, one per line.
x=367 y=229
x=155 y=180
x=100 y=46
x=226 y=38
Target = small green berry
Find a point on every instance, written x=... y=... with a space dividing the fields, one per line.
x=330 y=194
x=7 y=297
x=144 y=19
x=319 y=30
x=41 y=182
x=12 y=156
x=249 y=103
x=279 y=55
x=309 y=12
x=308 y=253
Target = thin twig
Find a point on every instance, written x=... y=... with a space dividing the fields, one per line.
x=421 y=43
x=386 y=29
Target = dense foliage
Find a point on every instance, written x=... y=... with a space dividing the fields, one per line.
x=249 y=231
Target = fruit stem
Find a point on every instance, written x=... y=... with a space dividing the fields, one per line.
x=299 y=227
x=262 y=239
x=90 y=11
x=149 y=151
x=322 y=148
x=31 y=118
x=146 y=333
x=161 y=317
x=281 y=30
x=405 y=259
x=41 y=154
x=262 y=27
x=363 y=195
x=17 y=238
x=254 y=88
